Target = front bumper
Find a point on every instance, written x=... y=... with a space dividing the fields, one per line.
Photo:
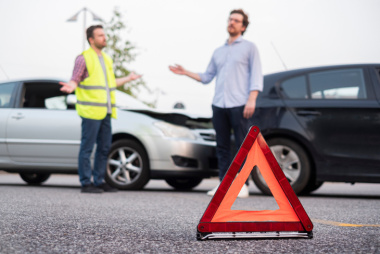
x=181 y=158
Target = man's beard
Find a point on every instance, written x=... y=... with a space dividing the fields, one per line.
x=100 y=46
x=232 y=32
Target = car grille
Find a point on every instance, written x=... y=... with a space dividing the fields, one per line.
x=208 y=136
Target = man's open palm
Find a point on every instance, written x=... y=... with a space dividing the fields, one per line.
x=177 y=69
x=133 y=76
x=68 y=87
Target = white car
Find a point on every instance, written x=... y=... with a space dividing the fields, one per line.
x=40 y=135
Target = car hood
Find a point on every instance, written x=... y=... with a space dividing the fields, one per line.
x=181 y=118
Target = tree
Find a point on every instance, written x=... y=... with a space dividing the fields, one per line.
x=122 y=52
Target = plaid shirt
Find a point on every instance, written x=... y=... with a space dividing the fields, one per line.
x=80 y=70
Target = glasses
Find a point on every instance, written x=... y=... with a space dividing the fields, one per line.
x=234 y=20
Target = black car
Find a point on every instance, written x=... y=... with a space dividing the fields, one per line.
x=322 y=124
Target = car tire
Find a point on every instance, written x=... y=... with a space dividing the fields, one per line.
x=128 y=165
x=33 y=178
x=311 y=186
x=294 y=162
x=184 y=183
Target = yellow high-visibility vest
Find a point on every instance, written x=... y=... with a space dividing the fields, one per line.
x=91 y=93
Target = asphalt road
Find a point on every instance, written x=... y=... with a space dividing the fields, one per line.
x=57 y=218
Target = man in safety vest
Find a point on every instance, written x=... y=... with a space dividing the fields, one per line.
x=94 y=83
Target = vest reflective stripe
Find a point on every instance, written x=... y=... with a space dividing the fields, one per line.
x=92 y=92
x=91 y=87
x=94 y=104
x=95 y=87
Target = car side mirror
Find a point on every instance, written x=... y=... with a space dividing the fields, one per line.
x=71 y=100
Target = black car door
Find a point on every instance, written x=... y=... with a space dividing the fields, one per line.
x=342 y=118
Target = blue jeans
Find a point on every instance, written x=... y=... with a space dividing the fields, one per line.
x=225 y=119
x=94 y=132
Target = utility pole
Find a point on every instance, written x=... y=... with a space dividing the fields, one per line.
x=75 y=19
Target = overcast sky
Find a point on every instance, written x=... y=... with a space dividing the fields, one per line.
x=38 y=42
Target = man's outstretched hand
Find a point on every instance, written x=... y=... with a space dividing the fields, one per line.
x=133 y=76
x=68 y=87
x=177 y=69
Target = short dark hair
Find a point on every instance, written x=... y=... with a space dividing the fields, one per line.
x=90 y=31
x=245 y=18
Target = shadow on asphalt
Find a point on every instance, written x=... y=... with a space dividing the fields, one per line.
x=349 y=196
x=40 y=186
x=317 y=195
x=48 y=186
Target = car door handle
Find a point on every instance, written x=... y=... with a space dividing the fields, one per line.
x=18 y=117
x=308 y=113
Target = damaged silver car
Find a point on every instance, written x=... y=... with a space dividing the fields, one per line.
x=40 y=136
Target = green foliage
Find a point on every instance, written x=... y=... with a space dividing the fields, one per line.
x=122 y=52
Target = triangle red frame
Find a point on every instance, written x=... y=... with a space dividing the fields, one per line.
x=207 y=226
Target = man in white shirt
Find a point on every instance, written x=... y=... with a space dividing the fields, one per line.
x=239 y=80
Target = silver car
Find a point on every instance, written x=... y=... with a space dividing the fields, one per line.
x=40 y=135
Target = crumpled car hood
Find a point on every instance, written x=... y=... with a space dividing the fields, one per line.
x=179 y=118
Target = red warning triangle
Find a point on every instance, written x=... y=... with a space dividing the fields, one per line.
x=219 y=218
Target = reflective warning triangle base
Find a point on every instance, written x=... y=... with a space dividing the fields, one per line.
x=220 y=221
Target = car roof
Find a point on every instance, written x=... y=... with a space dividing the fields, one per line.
x=323 y=67
x=271 y=78
x=25 y=80
x=130 y=103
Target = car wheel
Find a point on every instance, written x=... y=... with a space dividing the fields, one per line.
x=34 y=179
x=184 y=183
x=293 y=161
x=128 y=165
x=312 y=186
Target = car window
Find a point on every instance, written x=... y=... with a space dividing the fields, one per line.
x=338 y=84
x=6 y=91
x=44 y=95
x=295 y=88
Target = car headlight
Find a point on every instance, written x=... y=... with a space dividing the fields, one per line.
x=174 y=131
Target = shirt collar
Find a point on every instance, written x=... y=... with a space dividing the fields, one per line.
x=240 y=39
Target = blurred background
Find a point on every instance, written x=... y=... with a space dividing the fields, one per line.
x=37 y=40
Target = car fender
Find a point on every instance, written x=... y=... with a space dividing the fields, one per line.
x=315 y=157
